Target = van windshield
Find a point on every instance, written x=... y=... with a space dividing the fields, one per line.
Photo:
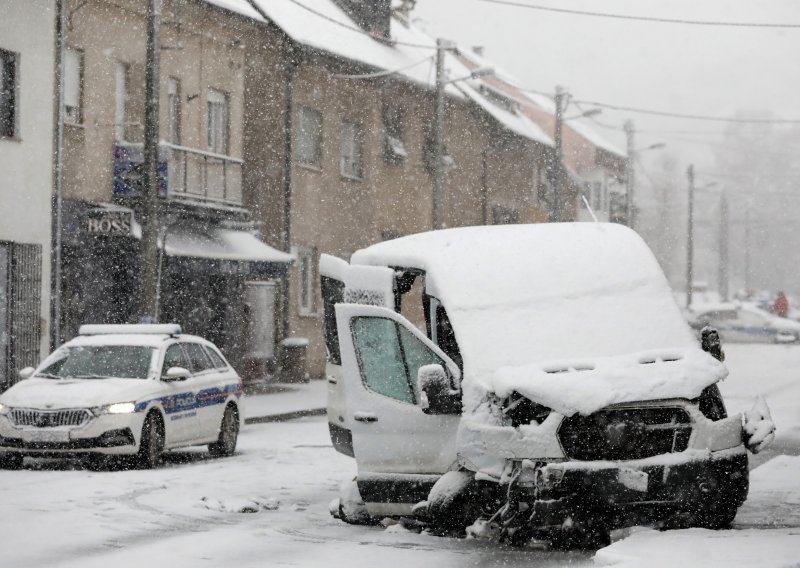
x=99 y=362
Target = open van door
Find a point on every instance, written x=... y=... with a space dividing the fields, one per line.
x=339 y=282
x=401 y=448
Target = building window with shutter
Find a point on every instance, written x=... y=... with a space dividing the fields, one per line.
x=309 y=137
x=73 y=86
x=217 y=121
x=394 y=151
x=9 y=93
x=20 y=308
x=306 y=279
x=174 y=110
x=350 y=150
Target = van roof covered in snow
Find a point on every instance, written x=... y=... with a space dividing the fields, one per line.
x=526 y=294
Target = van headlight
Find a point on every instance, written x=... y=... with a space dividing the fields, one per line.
x=116 y=408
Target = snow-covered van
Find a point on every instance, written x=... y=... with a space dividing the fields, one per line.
x=527 y=381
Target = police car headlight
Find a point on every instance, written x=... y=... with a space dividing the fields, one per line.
x=4 y=409
x=117 y=408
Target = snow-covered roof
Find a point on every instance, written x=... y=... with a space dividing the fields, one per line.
x=521 y=295
x=510 y=119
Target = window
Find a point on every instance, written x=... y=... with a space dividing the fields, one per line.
x=217 y=121
x=174 y=110
x=597 y=195
x=309 y=137
x=174 y=357
x=216 y=358
x=502 y=215
x=332 y=294
x=198 y=359
x=73 y=82
x=121 y=81
x=350 y=150
x=9 y=87
x=100 y=362
x=380 y=358
x=394 y=151
x=542 y=185
x=417 y=355
x=305 y=261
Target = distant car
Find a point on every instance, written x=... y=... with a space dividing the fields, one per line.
x=123 y=390
x=747 y=324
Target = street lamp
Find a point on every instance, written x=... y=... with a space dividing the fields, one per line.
x=438 y=126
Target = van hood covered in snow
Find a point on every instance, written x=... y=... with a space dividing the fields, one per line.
x=586 y=386
x=521 y=295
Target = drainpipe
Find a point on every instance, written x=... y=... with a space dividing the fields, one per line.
x=286 y=232
x=57 y=203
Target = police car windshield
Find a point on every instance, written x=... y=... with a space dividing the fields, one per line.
x=100 y=362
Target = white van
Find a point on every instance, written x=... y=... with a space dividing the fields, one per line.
x=528 y=381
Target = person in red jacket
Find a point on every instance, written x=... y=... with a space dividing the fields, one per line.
x=781 y=305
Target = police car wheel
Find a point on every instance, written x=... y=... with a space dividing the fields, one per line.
x=152 y=443
x=228 y=434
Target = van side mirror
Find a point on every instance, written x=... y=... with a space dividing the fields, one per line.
x=437 y=395
x=176 y=374
x=710 y=343
x=26 y=373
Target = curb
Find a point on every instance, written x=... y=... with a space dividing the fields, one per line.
x=286 y=416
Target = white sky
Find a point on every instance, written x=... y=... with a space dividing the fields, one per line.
x=677 y=68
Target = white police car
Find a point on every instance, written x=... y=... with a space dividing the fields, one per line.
x=124 y=390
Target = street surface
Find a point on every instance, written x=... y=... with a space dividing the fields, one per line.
x=268 y=506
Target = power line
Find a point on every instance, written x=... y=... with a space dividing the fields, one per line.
x=691 y=116
x=643 y=18
x=382 y=73
x=355 y=29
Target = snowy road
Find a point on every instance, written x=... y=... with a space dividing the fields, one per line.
x=267 y=506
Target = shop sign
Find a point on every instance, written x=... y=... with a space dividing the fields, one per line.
x=109 y=222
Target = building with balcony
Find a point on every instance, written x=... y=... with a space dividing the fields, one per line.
x=217 y=276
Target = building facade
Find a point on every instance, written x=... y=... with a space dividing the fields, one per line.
x=27 y=88
x=218 y=279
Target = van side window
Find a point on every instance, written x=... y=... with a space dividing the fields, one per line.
x=380 y=358
x=332 y=294
x=417 y=355
x=446 y=337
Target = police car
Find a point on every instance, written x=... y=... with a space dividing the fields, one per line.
x=123 y=390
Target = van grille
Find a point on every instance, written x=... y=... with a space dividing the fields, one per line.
x=49 y=418
x=625 y=433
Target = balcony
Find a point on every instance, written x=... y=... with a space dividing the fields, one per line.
x=184 y=173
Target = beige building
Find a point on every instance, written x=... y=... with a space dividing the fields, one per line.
x=217 y=277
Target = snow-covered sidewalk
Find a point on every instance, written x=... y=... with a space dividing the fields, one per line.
x=274 y=401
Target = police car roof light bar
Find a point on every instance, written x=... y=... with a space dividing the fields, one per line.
x=130 y=329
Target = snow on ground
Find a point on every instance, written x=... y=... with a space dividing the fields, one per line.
x=769 y=370
x=268 y=505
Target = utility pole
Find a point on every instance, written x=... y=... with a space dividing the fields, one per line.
x=690 y=239
x=724 y=257
x=58 y=200
x=558 y=170
x=630 y=173
x=149 y=194
x=747 y=247
x=438 y=137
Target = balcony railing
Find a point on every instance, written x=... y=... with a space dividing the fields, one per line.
x=203 y=175
x=183 y=172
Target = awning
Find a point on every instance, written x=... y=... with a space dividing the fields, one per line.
x=222 y=248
